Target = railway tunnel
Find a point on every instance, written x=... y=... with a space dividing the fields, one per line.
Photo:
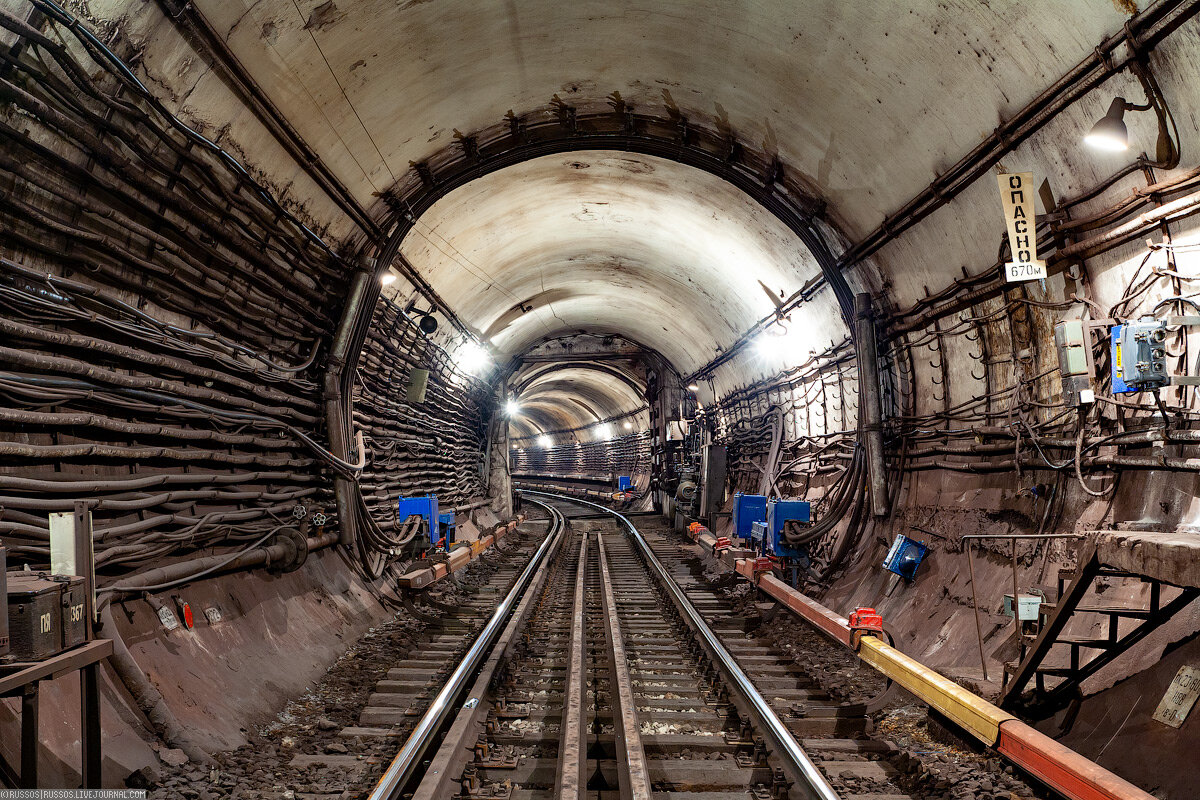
x=423 y=398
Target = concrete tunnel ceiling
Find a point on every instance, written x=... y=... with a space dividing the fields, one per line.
x=666 y=255
x=864 y=102
x=867 y=100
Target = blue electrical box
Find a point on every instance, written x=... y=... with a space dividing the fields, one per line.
x=624 y=483
x=1139 y=355
x=446 y=534
x=780 y=512
x=747 y=510
x=904 y=557
x=441 y=534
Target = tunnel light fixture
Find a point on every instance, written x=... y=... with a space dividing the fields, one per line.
x=387 y=278
x=512 y=408
x=472 y=358
x=692 y=387
x=604 y=431
x=1109 y=133
x=545 y=442
x=628 y=425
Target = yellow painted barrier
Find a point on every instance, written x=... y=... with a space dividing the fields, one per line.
x=972 y=713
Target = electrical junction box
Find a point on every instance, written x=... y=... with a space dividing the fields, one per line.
x=1139 y=355
x=446 y=526
x=1029 y=607
x=904 y=557
x=624 y=483
x=427 y=509
x=1074 y=362
x=758 y=536
x=779 y=513
x=747 y=510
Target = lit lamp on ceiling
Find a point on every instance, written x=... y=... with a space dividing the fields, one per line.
x=1109 y=133
x=387 y=278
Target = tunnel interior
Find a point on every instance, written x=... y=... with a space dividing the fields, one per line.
x=269 y=268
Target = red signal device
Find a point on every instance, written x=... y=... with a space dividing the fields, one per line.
x=185 y=613
x=866 y=620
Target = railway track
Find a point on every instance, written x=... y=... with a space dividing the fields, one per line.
x=617 y=673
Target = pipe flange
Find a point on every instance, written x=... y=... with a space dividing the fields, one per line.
x=295 y=545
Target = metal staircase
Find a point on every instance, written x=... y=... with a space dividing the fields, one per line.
x=1051 y=666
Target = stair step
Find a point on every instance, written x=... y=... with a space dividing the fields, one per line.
x=1085 y=641
x=1134 y=613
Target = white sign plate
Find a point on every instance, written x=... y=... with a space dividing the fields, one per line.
x=1017 y=195
x=1180 y=697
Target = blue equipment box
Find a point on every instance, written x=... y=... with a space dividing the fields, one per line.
x=1139 y=355
x=427 y=509
x=624 y=483
x=747 y=510
x=905 y=556
x=778 y=513
x=446 y=525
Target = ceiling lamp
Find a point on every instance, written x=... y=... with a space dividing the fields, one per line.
x=387 y=278
x=512 y=407
x=628 y=425
x=1109 y=133
x=473 y=358
x=545 y=442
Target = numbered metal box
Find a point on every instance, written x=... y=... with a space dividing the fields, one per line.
x=34 y=616
x=74 y=609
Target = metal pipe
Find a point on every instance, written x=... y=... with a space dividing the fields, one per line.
x=801 y=768
x=871 y=405
x=400 y=771
x=337 y=423
x=975 y=606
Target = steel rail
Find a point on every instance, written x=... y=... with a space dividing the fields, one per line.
x=572 y=756
x=403 y=767
x=797 y=763
x=635 y=777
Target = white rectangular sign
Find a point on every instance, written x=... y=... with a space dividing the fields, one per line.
x=1016 y=195
x=1180 y=697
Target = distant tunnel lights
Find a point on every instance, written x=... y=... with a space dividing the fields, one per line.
x=545 y=442
x=604 y=431
x=628 y=425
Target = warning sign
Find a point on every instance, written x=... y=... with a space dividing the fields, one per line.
x=1016 y=195
x=1180 y=697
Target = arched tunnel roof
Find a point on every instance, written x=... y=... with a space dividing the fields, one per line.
x=865 y=102
x=866 y=99
x=664 y=254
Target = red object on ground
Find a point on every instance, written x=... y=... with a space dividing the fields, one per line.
x=723 y=543
x=762 y=564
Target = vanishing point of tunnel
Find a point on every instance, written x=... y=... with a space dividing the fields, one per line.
x=651 y=399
